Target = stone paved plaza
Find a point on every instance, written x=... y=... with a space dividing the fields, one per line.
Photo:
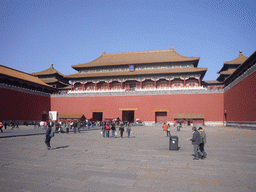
x=89 y=162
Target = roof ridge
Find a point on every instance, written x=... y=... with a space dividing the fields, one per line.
x=45 y=71
x=150 y=51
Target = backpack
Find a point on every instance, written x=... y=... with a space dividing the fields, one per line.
x=52 y=133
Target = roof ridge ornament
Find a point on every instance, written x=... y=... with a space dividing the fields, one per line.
x=172 y=48
x=103 y=52
x=52 y=65
x=240 y=52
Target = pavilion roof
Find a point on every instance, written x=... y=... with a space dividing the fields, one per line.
x=49 y=71
x=227 y=72
x=139 y=72
x=241 y=69
x=65 y=88
x=239 y=60
x=53 y=80
x=21 y=75
x=140 y=57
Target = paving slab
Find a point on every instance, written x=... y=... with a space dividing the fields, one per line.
x=88 y=162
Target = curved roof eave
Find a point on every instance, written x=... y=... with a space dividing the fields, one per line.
x=138 y=72
x=140 y=57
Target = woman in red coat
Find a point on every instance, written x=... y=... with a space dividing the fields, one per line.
x=165 y=129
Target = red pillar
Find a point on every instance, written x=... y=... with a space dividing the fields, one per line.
x=95 y=85
x=71 y=86
x=170 y=83
x=184 y=82
x=141 y=84
x=199 y=81
x=108 y=85
x=155 y=83
x=121 y=84
x=83 y=86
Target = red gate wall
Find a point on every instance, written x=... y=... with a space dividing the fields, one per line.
x=240 y=100
x=16 y=105
x=211 y=105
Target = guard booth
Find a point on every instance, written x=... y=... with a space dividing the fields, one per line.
x=71 y=117
x=189 y=119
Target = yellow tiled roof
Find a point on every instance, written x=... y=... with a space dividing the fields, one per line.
x=239 y=60
x=48 y=71
x=21 y=75
x=140 y=57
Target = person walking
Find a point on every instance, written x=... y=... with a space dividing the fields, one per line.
x=169 y=130
x=165 y=129
x=5 y=125
x=67 y=127
x=48 y=137
x=75 y=126
x=128 y=130
x=201 y=145
x=12 y=125
x=196 y=140
x=113 y=128
x=103 y=129
x=78 y=126
x=107 y=130
x=1 y=126
x=121 y=129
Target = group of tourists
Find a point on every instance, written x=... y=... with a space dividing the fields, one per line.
x=12 y=124
x=167 y=129
x=198 y=140
x=107 y=128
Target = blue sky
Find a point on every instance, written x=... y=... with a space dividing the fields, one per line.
x=36 y=33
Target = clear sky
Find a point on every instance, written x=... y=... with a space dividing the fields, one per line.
x=36 y=33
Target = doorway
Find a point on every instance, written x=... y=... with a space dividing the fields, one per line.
x=44 y=117
x=97 y=116
x=161 y=117
x=128 y=116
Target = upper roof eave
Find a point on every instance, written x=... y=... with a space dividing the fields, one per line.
x=140 y=57
x=138 y=72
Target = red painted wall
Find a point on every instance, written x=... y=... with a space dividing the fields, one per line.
x=15 y=105
x=240 y=100
x=211 y=105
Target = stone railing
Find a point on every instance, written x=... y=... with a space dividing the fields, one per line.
x=176 y=90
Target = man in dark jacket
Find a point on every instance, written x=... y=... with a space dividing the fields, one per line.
x=75 y=126
x=78 y=126
x=48 y=137
x=201 y=145
x=196 y=140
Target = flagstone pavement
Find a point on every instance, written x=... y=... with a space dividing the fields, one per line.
x=88 y=162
